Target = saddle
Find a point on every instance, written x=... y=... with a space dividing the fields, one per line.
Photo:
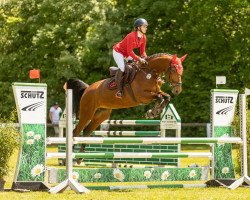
x=129 y=75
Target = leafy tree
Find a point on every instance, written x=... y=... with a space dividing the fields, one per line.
x=66 y=38
x=62 y=38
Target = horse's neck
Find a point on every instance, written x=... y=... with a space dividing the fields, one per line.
x=159 y=64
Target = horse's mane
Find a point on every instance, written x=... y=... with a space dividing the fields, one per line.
x=157 y=55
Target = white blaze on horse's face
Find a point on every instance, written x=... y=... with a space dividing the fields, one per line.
x=174 y=74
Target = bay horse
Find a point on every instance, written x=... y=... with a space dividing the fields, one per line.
x=94 y=103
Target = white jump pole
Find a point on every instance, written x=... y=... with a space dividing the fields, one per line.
x=243 y=130
x=69 y=182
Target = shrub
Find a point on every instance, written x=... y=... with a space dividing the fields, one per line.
x=9 y=141
x=237 y=133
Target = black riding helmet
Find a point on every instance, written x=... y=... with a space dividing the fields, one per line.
x=140 y=22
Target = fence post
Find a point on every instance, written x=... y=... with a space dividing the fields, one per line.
x=74 y=185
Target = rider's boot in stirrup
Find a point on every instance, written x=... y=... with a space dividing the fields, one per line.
x=119 y=82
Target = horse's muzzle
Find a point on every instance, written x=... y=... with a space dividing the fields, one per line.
x=176 y=88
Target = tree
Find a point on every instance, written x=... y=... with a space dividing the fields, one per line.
x=66 y=38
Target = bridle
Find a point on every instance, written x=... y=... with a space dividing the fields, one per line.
x=171 y=69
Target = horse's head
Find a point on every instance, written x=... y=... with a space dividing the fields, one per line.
x=174 y=73
x=171 y=66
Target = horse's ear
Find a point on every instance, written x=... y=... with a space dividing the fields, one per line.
x=174 y=58
x=183 y=57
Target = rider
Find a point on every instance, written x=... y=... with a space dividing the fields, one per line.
x=124 y=50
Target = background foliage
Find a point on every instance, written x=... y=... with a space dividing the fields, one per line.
x=74 y=38
x=9 y=140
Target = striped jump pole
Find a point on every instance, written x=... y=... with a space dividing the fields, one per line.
x=98 y=140
x=132 y=122
x=132 y=155
x=170 y=122
x=128 y=133
x=132 y=140
x=69 y=182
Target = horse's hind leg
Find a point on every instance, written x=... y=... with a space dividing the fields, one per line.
x=99 y=116
x=86 y=114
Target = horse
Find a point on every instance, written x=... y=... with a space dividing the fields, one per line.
x=93 y=104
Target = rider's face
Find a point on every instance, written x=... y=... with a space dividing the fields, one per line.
x=144 y=29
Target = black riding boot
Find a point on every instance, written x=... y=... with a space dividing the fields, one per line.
x=119 y=81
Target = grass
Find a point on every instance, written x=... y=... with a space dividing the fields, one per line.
x=182 y=193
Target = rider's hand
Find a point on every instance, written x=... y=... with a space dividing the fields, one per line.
x=142 y=60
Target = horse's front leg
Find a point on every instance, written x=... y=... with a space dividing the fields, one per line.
x=166 y=98
x=162 y=99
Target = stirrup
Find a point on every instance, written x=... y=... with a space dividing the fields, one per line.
x=119 y=94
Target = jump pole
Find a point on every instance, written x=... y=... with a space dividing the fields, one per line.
x=80 y=189
x=243 y=131
x=146 y=140
x=134 y=155
x=69 y=182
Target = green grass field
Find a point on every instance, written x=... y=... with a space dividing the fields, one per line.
x=182 y=193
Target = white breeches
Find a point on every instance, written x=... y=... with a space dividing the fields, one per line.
x=119 y=59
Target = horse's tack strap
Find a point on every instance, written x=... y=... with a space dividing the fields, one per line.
x=131 y=92
x=150 y=71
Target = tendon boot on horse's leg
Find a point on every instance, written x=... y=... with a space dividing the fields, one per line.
x=154 y=112
x=162 y=101
x=119 y=81
x=166 y=101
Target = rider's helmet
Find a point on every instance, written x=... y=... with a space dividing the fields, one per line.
x=140 y=22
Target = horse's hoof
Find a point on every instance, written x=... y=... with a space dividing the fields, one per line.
x=149 y=115
x=79 y=161
x=158 y=112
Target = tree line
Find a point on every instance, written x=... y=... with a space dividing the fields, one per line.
x=74 y=38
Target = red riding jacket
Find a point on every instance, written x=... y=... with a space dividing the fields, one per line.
x=130 y=42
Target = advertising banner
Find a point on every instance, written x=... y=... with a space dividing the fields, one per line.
x=223 y=107
x=31 y=104
x=223 y=104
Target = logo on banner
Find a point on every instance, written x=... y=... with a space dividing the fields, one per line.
x=223 y=107
x=33 y=107
x=224 y=111
x=169 y=117
x=32 y=94
x=223 y=99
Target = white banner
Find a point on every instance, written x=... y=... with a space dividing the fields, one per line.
x=223 y=107
x=31 y=102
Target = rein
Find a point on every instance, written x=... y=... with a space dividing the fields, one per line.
x=147 y=71
x=156 y=76
x=150 y=71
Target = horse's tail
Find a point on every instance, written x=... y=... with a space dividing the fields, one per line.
x=78 y=88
